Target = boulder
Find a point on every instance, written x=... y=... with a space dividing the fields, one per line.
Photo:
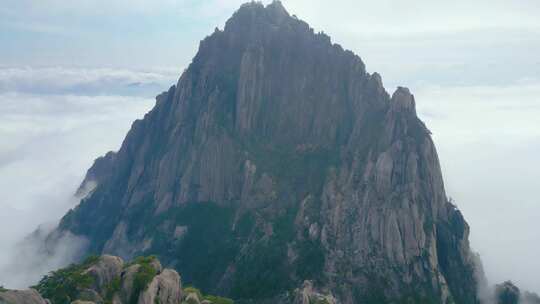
x=192 y=298
x=105 y=271
x=308 y=295
x=29 y=296
x=165 y=288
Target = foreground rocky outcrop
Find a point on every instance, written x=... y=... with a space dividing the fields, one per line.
x=508 y=293
x=107 y=279
x=30 y=296
x=275 y=160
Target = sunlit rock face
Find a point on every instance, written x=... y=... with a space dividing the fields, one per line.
x=277 y=159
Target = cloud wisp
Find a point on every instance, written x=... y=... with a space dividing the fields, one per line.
x=37 y=254
x=85 y=81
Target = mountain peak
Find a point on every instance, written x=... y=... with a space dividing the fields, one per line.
x=277 y=7
x=403 y=99
x=254 y=14
x=277 y=159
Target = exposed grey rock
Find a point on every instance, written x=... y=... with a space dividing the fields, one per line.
x=128 y=276
x=192 y=298
x=179 y=232
x=507 y=293
x=106 y=270
x=165 y=288
x=402 y=99
x=119 y=243
x=99 y=171
x=156 y=264
x=308 y=295
x=29 y=296
x=90 y=295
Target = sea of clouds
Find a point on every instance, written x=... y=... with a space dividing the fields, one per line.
x=55 y=121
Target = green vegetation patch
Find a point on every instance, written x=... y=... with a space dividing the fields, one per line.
x=208 y=246
x=310 y=262
x=63 y=286
x=191 y=289
x=218 y=300
x=264 y=272
x=211 y=298
x=112 y=288
x=145 y=274
x=293 y=169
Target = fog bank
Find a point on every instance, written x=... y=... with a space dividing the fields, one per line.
x=48 y=141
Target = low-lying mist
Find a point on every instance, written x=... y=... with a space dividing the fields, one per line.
x=44 y=250
x=47 y=142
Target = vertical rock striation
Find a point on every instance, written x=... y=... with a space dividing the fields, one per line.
x=278 y=159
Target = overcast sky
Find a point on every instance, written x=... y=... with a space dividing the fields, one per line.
x=75 y=74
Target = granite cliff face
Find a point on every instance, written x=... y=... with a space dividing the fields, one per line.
x=278 y=159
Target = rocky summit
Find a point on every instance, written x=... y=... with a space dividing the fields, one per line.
x=275 y=164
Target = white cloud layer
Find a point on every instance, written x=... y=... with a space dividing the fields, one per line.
x=47 y=144
x=85 y=81
x=44 y=250
x=488 y=139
